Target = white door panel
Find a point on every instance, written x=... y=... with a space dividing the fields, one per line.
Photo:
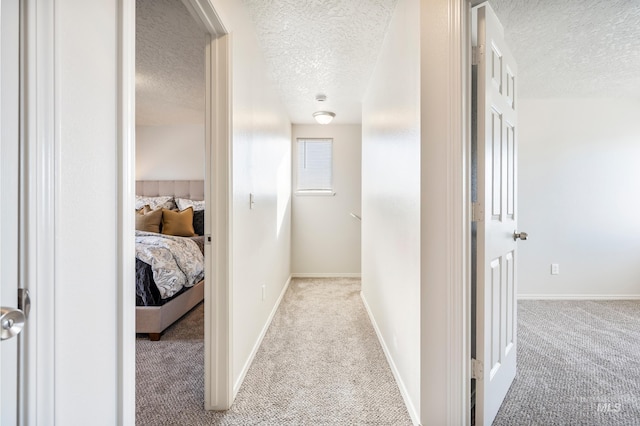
x=496 y=309
x=9 y=194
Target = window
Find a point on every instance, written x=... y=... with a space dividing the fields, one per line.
x=315 y=158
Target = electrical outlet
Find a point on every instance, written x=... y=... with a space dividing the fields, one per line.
x=264 y=292
x=555 y=269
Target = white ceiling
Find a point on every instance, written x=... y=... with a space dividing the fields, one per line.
x=169 y=64
x=574 y=48
x=321 y=46
x=568 y=48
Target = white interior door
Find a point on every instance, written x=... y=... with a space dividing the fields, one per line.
x=10 y=319
x=495 y=214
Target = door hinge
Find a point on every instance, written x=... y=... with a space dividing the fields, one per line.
x=477 y=212
x=476 y=53
x=477 y=369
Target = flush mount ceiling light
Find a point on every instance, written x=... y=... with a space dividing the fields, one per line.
x=323 y=117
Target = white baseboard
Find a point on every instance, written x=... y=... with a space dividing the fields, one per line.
x=323 y=275
x=256 y=346
x=413 y=413
x=579 y=297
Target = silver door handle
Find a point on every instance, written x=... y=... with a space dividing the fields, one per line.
x=521 y=235
x=11 y=322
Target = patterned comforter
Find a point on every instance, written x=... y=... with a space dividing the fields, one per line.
x=176 y=262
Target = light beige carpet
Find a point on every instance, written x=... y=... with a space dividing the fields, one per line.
x=320 y=364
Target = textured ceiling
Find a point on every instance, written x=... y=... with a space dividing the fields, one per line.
x=568 y=48
x=574 y=48
x=321 y=46
x=169 y=64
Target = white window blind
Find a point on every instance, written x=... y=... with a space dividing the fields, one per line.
x=315 y=158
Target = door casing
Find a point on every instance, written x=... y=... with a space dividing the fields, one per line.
x=11 y=212
x=218 y=314
x=445 y=236
x=37 y=230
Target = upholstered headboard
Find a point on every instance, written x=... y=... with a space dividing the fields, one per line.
x=191 y=189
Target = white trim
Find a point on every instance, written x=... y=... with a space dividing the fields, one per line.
x=218 y=308
x=126 y=345
x=256 y=346
x=41 y=132
x=413 y=413
x=326 y=275
x=206 y=16
x=549 y=296
x=460 y=370
x=460 y=294
x=445 y=213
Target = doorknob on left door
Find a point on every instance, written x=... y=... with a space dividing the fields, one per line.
x=521 y=235
x=11 y=322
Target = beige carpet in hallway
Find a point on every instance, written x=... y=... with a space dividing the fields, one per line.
x=320 y=364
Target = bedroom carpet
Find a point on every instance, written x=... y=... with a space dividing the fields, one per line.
x=578 y=364
x=320 y=363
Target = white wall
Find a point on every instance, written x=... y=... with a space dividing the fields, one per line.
x=325 y=238
x=262 y=166
x=173 y=152
x=578 y=196
x=85 y=315
x=391 y=198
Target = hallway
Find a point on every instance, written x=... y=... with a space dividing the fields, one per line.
x=320 y=363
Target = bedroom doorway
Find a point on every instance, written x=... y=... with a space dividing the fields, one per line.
x=215 y=190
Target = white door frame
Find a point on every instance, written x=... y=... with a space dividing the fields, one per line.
x=39 y=161
x=11 y=154
x=218 y=383
x=445 y=367
x=126 y=317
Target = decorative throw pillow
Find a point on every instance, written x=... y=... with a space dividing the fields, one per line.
x=164 y=201
x=198 y=222
x=179 y=224
x=148 y=220
x=185 y=203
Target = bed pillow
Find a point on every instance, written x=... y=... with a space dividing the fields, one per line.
x=148 y=220
x=185 y=203
x=179 y=224
x=198 y=222
x=163 y=201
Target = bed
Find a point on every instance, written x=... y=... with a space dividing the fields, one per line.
x=154 y=313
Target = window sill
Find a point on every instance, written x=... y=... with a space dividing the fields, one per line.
x=315 y=193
